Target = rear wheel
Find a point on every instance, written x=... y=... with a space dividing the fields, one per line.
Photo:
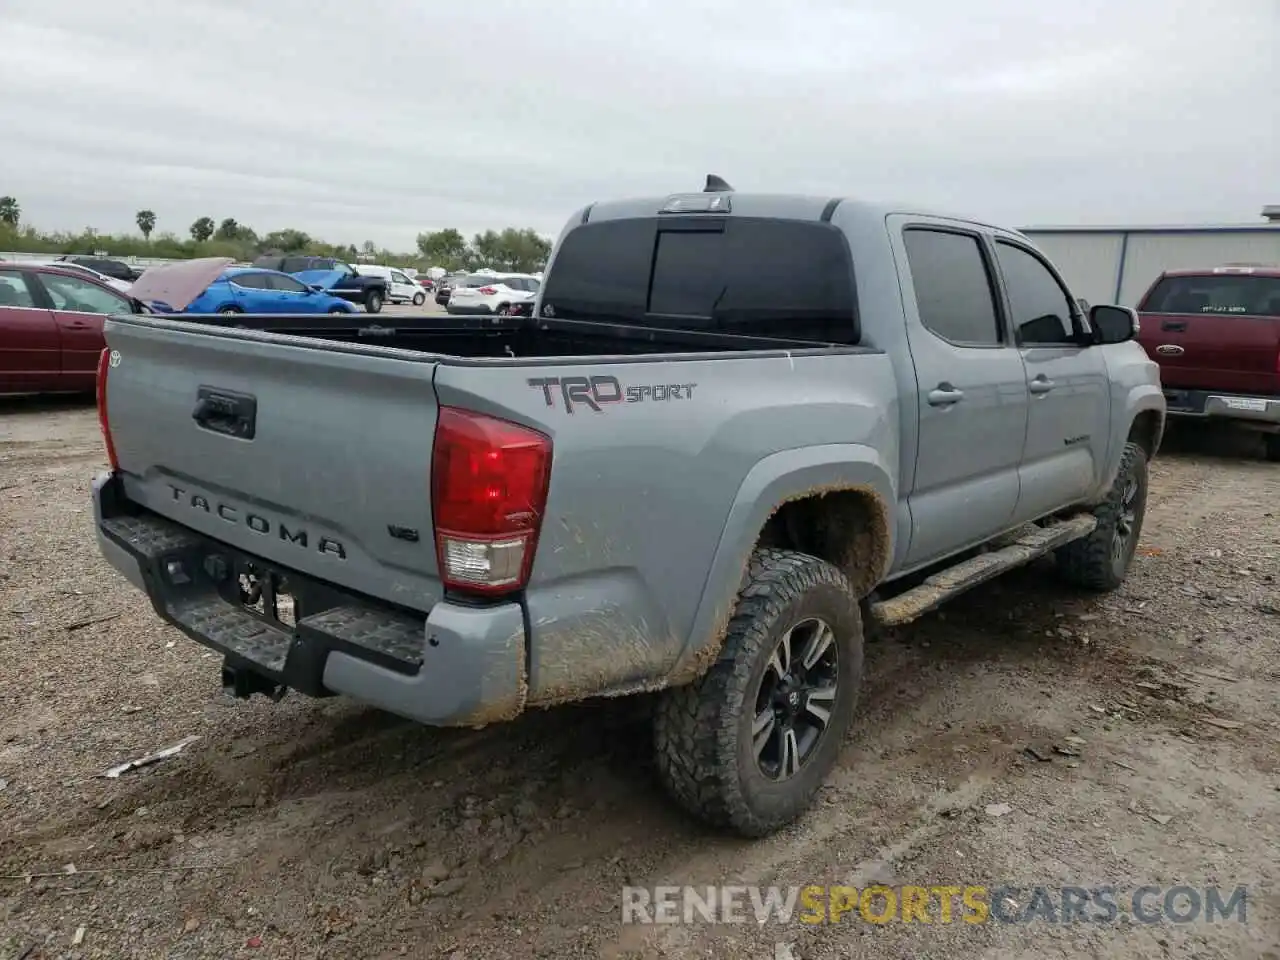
x=1101 y=560
x=373 y=301
x=230 y=311
x=1271 y=446
x=747 y=745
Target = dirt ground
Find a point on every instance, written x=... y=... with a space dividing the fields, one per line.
x=322 y=828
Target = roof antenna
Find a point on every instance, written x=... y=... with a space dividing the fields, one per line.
x=716 y=185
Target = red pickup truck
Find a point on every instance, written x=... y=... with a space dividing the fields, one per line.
x=1216 y=336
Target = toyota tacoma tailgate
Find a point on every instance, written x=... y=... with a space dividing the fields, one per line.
x=301 y=452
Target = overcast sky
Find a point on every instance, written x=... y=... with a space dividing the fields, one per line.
x=376 y=119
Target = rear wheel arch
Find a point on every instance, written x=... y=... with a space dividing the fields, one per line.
x=848 y=528
x=830 y=502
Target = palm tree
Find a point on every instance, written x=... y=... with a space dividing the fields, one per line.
x=10 y=212
x=146 y=220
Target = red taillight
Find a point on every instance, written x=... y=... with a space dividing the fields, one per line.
x=104 y=364
x=487 y=291
x=488 y=491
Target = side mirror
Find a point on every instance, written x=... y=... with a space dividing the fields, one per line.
x=1112 y=324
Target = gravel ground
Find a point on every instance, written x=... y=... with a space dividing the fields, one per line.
x=308 y=829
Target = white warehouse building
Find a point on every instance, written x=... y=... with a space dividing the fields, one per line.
x=1118 y=264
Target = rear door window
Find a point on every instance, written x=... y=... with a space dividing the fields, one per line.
x=788 y=279
x=14 y=291
x=1217 y=294
x=80 y=296
x=277 y=281
x=953 y=288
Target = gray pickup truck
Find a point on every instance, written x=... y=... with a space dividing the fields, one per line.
x=737 y=428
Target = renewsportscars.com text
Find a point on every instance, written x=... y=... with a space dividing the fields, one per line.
x=943 y=904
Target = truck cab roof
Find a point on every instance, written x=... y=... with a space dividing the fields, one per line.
x=1269 y=270
x=774 y=206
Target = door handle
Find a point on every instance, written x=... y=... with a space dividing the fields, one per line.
x=77 y=325
x=1040 y=385
x=944 y=395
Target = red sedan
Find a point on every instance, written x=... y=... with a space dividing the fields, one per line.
x=51 y=328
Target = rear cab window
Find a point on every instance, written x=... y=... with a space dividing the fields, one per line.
x=1240 y=295
x=744 y=276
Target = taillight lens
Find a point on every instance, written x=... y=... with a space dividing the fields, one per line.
x=487 y=291
x=488 y=492
x=104 y=364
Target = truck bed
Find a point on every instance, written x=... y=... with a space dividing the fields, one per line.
x=475 y=337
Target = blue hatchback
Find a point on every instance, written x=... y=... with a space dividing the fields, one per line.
x=254 y=290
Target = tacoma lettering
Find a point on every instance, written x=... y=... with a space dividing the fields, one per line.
x=257 y=523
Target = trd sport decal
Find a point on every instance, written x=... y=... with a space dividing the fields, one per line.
x=596 y=393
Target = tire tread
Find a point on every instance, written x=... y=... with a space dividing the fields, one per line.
x=1086 y=562
x=695 y=726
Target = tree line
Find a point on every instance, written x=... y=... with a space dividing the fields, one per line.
x=518 y=250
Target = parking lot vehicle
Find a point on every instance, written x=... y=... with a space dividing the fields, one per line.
x=680 y=476
x=51 y=327
x=491 y=294
x=112 y=268
x=401 y=288
x=1216 y=336
x=122 y=286
x=334 y=276
x=444 y=289
x=237 y=290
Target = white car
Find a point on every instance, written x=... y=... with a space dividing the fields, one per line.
x=122 y=285
x=492 y=293
x=401 y=288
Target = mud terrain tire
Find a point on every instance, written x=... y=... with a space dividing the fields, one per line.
x=709 y=754
x=1101 y=560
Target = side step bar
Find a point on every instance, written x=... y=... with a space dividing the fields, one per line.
x=945 y=584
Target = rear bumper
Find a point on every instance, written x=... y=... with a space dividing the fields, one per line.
x=457 y=666
x=1261 y=412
